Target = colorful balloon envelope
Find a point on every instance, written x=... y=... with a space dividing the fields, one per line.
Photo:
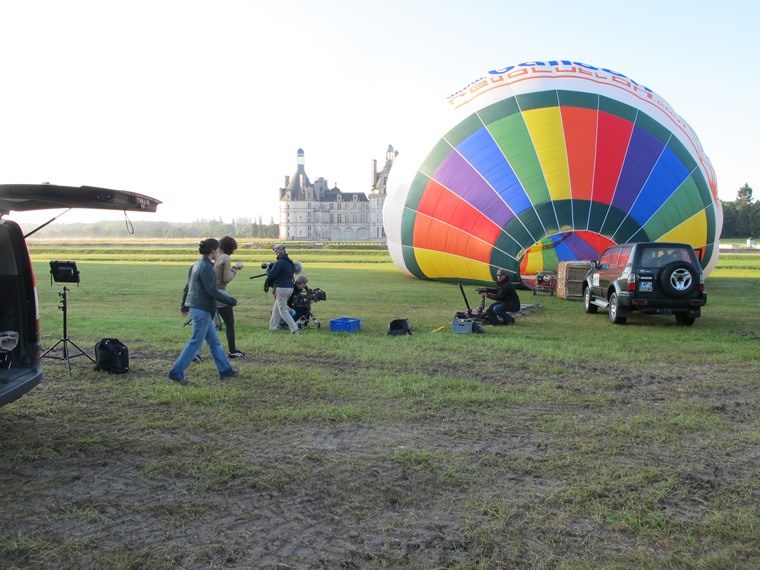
x=548 y=162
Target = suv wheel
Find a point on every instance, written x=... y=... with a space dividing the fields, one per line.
x=588 y=306
x=684 y=320
x=678 y=279
x=615 y=317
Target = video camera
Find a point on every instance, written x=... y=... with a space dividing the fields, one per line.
x=315 y=295
x=308 y=296
x=267 y=266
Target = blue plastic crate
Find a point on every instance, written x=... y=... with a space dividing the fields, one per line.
x=345 y=324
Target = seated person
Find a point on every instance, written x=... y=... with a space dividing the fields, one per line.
x=505 y=300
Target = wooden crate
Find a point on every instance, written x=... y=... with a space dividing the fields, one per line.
x=570 y=277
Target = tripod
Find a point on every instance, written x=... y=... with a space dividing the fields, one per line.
x=65 y=338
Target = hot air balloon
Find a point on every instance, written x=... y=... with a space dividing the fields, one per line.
x=547 y=162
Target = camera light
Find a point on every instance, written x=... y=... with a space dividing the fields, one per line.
x=64 y=271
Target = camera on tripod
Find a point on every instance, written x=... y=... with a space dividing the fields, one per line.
x=314 y=295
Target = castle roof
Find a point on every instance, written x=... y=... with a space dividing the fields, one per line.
x=299 y=181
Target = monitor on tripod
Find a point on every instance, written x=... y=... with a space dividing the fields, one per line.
x=65 y=272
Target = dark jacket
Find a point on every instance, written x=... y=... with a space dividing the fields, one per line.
x=505 y=293
x=200 y=292
x=281 y=273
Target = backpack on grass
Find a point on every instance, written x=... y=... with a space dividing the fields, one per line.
x=399 y=327
x=112 y=356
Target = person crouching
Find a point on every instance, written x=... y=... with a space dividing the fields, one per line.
x=505 y=300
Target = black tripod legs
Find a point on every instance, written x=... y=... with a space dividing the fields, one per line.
x=67 y=355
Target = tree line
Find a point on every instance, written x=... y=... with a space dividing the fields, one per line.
x=741 y=218
x=239 y=227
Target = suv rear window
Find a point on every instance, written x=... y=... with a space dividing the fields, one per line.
x=625 y=253
x=655 y=257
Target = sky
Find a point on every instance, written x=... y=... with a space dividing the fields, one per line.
x=204 y=104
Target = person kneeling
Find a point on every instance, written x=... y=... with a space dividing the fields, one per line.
x=505 y=300
x=298 y=303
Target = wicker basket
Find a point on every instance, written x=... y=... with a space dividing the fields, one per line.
x=570 y=277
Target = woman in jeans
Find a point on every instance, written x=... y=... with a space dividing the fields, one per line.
x=225 y=271
x=199 y=301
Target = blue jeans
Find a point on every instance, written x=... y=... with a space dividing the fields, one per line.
x=203 y=329
x=292 y=314
x=499 y=309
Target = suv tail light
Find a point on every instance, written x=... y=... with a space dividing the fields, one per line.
x=701 y=283
x=632 y=282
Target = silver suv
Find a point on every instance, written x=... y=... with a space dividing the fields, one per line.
x=19 y=315
x=650 y=277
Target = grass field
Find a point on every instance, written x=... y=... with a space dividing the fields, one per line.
x=562 y=441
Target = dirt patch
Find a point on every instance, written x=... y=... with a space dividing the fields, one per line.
x=437 y=487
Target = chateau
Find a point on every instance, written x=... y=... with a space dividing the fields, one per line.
x=313 y=211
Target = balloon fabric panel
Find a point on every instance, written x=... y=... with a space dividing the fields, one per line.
x=680 y=205
x=667 y=175
x=457 y=218
x=512 y=136
x=586 y=245
x=545 y=128
x=482 y=152
x=689 y=230
x=643 y=153
x=580 y=139
x=455 y=172
x=612 y=143
x=433 y=235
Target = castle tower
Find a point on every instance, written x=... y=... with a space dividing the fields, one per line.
x=378 y=193
x=314 y=211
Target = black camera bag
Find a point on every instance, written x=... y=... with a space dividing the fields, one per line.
x=399 y=327
x=112 y=356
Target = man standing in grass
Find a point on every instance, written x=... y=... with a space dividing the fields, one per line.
x=280 y=276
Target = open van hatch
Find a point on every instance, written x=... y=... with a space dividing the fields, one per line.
x=19 y=315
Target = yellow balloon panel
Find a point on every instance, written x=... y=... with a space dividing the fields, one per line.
x=438 y=264
x=548 y=135
x=692 y=231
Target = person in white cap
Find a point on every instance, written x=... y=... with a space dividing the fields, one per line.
x=280 y=276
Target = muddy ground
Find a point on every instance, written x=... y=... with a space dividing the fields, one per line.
x=96 y=475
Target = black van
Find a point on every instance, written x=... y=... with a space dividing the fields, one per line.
x=19 y=315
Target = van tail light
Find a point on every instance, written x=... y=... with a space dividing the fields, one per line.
x=632 y=282
x=701 y=283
